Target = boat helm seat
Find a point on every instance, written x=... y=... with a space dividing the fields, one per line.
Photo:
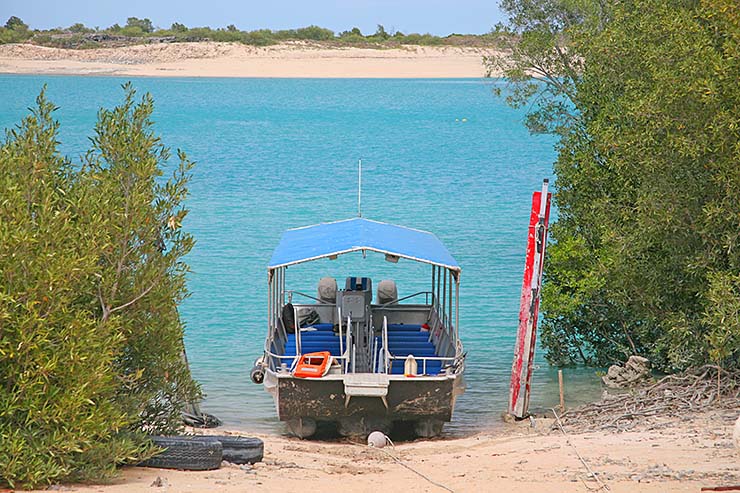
x=358 y=284
x=387 y=291
x=327 y=289
x=356 y=298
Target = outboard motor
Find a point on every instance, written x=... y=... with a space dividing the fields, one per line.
x=327 y=289
x=387 y=292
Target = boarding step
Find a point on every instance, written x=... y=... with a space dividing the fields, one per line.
x=366 y=384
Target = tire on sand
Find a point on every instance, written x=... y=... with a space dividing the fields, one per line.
x=187 y=453
x=240 y=450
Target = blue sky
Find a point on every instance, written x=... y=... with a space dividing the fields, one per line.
x=439 y=17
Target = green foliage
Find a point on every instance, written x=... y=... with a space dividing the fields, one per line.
x=91 y=270
x=77 y=41
x=722 y=316
x=262 y=37
x=79 y=28
x=133 y=31
x=380 y=32
x=645 y=253
x=142 y=276
x=15 y=31
x=354 y=32
x=145 y=25
x=314 y=33
x=16 y=24
x=56 y=359
x=142 y=30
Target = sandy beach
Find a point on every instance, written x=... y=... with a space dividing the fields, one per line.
x=672 y=454
x=210 y=59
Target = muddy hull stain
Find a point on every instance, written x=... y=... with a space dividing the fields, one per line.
x=325 y=400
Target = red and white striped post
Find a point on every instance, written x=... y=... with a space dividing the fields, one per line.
x=526 y=338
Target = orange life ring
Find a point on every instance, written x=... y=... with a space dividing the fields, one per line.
x=312 y=365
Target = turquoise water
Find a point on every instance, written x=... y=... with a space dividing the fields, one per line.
x=274 y=154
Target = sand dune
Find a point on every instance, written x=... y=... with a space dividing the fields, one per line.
x=209 y=59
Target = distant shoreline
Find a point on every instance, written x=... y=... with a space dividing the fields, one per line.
x=214 y=59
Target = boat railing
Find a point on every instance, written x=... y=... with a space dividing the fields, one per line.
x=388 y=357
x=348 y=344
x=297 y=331
x=300 y=293
x=281 y=357
x=427 y=295
x=339 y=318
x=441 y=335
x=386 y=353
x=443 y=331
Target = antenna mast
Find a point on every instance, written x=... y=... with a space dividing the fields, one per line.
x=359 y=188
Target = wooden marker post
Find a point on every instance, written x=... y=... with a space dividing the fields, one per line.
x=526 y=338
x=562 y=392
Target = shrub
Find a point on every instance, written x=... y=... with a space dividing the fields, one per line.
x=643 y=96
x=314 y=33
x=145 y=25
x=90 y=278
x=262 y=37
x=57 y=398
x=16 y=24
x=80 y=28
x=142 y=275
x=15 y=31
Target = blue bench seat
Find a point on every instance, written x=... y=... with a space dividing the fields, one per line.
x=404 y=327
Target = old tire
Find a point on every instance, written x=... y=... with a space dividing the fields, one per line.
x=187 y=453
x=241 y=450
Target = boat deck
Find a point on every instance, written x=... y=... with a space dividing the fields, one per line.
x=403 y=340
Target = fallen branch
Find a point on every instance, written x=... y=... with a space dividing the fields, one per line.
x=673 y=395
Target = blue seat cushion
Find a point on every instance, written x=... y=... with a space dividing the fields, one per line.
x=404 y=327
x=334 y=351
x=315 y=348
x=322 y=327
x=319 y=336
x=433 y=367
x=408 y=335
x=393 y=340
x=423 y=344
x=411 y=349
x=416 y=354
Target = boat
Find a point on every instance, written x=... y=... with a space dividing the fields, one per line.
x=357 y=361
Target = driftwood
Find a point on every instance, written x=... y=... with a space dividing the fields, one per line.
x=705 y=388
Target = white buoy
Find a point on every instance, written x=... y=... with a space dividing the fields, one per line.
x=409 y=366
x=736 y=434
x=377 y=439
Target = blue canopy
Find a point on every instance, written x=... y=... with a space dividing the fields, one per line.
x=330 y=239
